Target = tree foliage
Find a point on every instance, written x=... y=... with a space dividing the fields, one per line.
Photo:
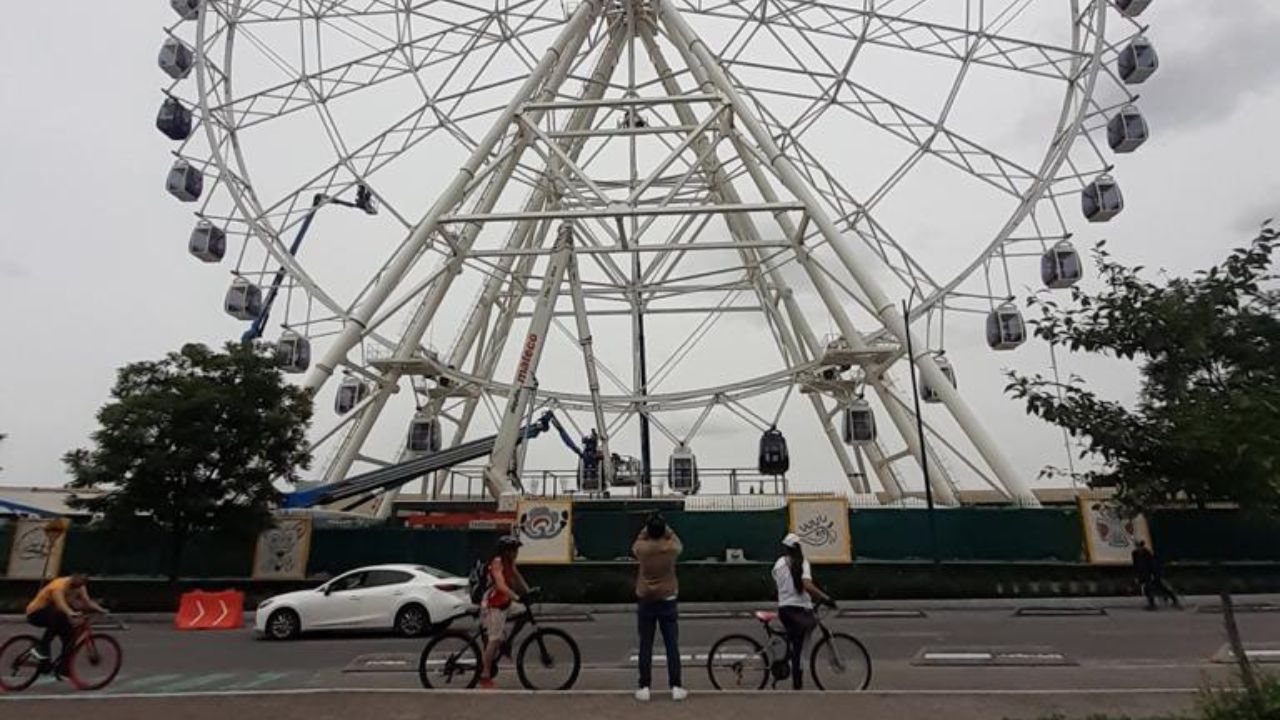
x=1206 y=426
x=195 y=442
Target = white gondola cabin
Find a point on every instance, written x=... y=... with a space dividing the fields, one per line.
x=1060 y=266
x=293 y=352
x=176 y=58
x=174 y=119
x=1132 y=8
x=185 y=181
x=928 y=393
x=682 y=471
x=1102 y=200
x=859 y=423
x=208 y=242
x=244 y=300
x=1006 y=329
x=774 y=458
x=350 y=392
x=1138 y=61
x=186 y=9
x=1127 y=130
x=424 y=434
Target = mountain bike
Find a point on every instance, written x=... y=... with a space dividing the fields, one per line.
x=547 y=659
x=91 y=663
x=838 y=661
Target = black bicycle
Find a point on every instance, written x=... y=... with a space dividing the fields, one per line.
x=547 y=659
x=838 y=661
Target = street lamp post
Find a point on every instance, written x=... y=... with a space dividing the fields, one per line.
x=924 y=455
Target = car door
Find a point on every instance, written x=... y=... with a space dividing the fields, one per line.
x=339 y=602
x=381 y=596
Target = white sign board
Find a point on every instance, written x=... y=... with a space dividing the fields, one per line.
x=283 y=550
x=33 y=555
x=546 y=529
x=823 y=527
x=1109 y=535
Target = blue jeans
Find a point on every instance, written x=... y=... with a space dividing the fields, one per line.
x=664 y=615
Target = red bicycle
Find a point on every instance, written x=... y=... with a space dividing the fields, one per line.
x=91 y=663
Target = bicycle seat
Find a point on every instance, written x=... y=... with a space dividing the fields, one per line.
x=766 y=616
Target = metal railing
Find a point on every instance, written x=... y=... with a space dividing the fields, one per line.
x=467 y=483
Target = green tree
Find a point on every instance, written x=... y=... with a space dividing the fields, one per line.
x=1206 y=425
x=194 y=442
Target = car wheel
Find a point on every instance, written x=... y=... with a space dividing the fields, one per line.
x=412 y=621
x=284 y=624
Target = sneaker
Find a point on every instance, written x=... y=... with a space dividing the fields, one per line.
x=487 y=684
x=642 y=695
x=678 y=693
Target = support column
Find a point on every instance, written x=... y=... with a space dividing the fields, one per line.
x=848 y=253
x=499 y=473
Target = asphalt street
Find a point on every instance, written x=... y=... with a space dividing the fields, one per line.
x=1079 y=651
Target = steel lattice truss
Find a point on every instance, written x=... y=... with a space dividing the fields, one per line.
x=702 y=159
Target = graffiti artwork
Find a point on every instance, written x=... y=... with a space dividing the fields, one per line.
x=1109 y=534
x=283 y=550
x=823 y=527
x=546 y=529
x=36 y=552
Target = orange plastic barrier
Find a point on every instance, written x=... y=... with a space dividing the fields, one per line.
x=200 y=610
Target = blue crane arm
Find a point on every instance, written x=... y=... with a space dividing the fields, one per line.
x=393 y=476
x=260 y=323
x=565 y=437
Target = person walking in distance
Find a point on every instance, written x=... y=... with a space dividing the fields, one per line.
x=506 y=585
x=656 y=549
x=1151 y=577
x=796 y=592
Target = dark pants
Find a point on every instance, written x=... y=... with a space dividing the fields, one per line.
x=1156 y=586
x=798 y=622
x=55 y=623
x=664 y=614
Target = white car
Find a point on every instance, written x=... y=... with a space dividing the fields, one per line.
x=407 y=599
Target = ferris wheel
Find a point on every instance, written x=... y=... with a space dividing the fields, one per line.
x=648 y=215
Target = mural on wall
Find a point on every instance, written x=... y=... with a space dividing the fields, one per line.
x=282 y=551
x=823 y=527
x=37 y=548
x=1109 y=534
x=546 y=529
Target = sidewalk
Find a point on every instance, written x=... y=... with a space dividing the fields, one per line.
x=477 y=705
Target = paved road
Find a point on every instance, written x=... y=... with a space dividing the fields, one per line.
x=1167 y=655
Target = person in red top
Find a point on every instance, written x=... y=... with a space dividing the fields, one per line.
x=506 y=585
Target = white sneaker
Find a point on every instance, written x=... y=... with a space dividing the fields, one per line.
x=642 y=695
x=678 y=693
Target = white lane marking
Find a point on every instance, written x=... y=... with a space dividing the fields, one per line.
x=958 y=656
x=17 y=697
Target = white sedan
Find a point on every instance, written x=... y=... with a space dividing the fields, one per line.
x=407 y=599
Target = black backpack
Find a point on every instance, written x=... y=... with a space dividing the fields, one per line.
x=478 y=581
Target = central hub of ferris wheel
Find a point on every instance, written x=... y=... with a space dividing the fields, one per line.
x=642 y=165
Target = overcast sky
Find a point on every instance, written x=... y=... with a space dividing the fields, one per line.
x=94 y=271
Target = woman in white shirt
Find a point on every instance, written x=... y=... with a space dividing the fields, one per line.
x=796 y=593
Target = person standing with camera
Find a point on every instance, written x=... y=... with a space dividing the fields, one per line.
x=656 y=549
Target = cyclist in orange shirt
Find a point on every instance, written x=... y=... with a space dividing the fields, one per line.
x=55 y=607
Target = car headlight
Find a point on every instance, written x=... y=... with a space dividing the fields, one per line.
x=265 y=603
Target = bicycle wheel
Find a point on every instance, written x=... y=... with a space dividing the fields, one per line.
x=450 y=660
x=737 y=662
x=18 y=667
x=840 y=662
x=94 y=662
x=548 y=660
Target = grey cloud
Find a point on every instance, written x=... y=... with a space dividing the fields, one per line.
x=13 y=269
x=1200 y=84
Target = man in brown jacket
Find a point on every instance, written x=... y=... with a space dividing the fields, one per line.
x=656 y=588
